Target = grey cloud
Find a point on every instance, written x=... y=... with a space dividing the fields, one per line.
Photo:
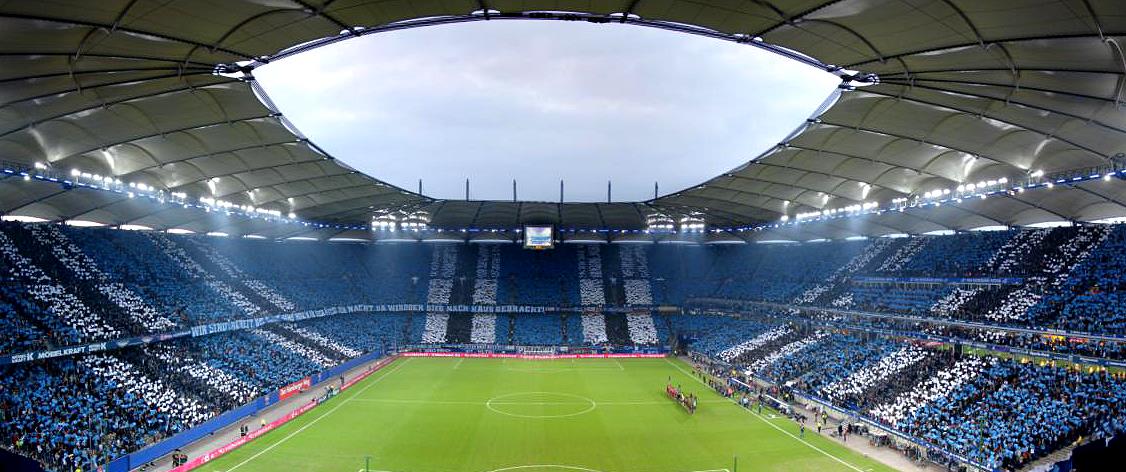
x=539 y=101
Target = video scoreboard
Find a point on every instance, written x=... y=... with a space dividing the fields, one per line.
x=539 y=237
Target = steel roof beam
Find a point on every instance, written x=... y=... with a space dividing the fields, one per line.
x=117 y=27
x=1017 y=39
x=989 y=116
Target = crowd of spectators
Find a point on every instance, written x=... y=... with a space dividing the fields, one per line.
x=904 y=254
x=68 y=285
x=849 y=390
x=85 y=273
x=711 y=334
x=314 y=355
x=62 y=415
x=538 y=329
x=754 y=343
x=153 y=392
x=1011 y=412
x=364 y=332
x=830 y=285
x=47 y=301
x=218 y=386
x=594 y=328
x=1062 y=278
x=167 y=281
x=834 y=358
x=434 y=331
x=757 y=367
x=319 y=339
x=1091 y=298
x=134 y=260
x=939 y=385
x=484 y=329
x=591 y=291
x=1000 y=413
x=642 y=330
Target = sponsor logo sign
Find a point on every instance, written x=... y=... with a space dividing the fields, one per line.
x=294 y=388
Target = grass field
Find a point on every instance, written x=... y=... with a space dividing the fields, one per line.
x=583 y=415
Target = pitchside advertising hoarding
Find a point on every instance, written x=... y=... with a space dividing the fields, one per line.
x=492 y=355
x=294 y=388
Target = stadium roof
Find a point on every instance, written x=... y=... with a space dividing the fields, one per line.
x=935 y=94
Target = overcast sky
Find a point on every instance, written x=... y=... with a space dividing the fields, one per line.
x=543 y=101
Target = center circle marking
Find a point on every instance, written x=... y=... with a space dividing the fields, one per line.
x=496 y=403
x=545 y=466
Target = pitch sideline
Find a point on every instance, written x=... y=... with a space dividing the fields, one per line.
x=549 y=466
x=315 y=420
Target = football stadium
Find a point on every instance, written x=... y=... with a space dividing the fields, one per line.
x=926 y=271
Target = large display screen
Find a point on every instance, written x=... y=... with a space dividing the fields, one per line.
x=539 y=237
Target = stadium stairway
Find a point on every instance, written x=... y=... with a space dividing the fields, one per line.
x=459 y=328
x=617 y=330
x=406 y=334
x=1046 y=462
x=566 y=335
x=511 y=291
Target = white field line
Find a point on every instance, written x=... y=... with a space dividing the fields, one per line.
x=772 y=425
x=315 y=420
x=455 y=402
x=458 y=364
x=708 y=470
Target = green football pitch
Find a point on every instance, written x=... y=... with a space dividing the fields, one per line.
x=499 y=415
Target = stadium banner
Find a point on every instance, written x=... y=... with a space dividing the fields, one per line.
x=90 y=348
x=251 y=323
x=924 y=336
x=500 y=355
x=294 y=388
x=942 y=280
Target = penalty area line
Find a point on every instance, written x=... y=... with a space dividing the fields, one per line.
x=315 y=420
x=772 y=425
